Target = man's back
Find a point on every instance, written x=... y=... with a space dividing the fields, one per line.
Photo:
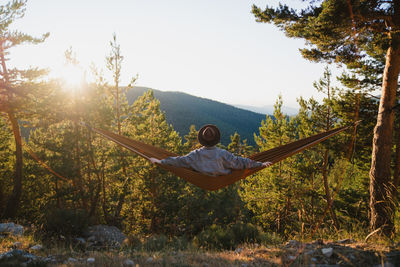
x=212 y=161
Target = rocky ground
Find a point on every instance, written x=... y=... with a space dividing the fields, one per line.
x=103 y=246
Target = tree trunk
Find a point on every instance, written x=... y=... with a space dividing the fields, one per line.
x=328 y=196
x=396 y=174
x=380 y=173
x=13 y=201
x=354 y=135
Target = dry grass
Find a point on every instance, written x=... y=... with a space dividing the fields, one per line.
x=351 y=254
x=247 y=257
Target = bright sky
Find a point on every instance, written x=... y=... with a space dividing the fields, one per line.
x=207 y=48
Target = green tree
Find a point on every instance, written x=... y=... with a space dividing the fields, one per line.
x=153 y=202
x=191 y=142
x=239 y=147
x=269 y=193
x=327 y=119
x=352 y=32
x=6 y=162
x=19 y=91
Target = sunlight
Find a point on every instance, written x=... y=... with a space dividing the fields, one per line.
x=72 y=76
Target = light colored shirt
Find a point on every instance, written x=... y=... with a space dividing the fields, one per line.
x=212 y=161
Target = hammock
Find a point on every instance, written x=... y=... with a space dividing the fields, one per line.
x=212 y=183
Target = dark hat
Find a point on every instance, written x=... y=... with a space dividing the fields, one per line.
x=209 y=135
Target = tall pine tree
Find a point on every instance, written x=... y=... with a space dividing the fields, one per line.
x=19 y=91
x=349 y=32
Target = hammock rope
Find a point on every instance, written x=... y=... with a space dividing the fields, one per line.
x=212 y=183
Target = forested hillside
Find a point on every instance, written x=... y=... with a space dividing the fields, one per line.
x=183 y=110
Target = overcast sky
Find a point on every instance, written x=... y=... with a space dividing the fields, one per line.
x=212 y=49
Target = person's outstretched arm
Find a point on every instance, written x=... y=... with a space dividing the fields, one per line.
x=238 y=163
x=179 y=161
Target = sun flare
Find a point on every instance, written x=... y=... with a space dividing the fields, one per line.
x=72 y=76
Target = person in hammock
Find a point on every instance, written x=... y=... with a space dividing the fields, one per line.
x=210 y=159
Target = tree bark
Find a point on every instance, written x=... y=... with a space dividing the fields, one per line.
x=396 y=174
x=354 y=135
x=13 y=201
x=380 y=173
x=328 y=196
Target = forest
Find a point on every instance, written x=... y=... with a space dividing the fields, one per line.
x=63 y=177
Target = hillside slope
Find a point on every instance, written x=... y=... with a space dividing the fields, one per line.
x=183 y=110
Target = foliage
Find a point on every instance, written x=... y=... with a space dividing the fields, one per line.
x=246 y=233
x=75 y=177
x=155 y=243
x=66 y=222
x=154 y=199
x=228 y=237
x=6 y=162
x=215 y=237
x=23 y=95
x=364 y=36
x=269 y=194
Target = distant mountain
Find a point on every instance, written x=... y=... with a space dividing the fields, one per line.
x=269 y=109
x=183 y=110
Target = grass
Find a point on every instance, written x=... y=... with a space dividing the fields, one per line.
x=162 y=253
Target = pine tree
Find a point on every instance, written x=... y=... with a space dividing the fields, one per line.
x=191 y=142
x=269 y=194
x=154 y=196
x=351 y=32
x=19 y=91
x=238 y=147
x=326 y=117
x=6 y=162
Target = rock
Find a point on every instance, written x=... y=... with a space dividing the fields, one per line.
x=20 y=254
x=128 y=262
x=36 y=247
x=17 y=245
x=386 y=264
x=292 y=258
x=318 y=242
x=12 y=253
x=80 y=240
x=309 y=252
x=293 y=244
x=150 y=259
x=71 y=259
x=346 y=241
x=327 y=252
x=105 y=235
x=50 y=259
x=238 y=250
x=90 y=260
x=11 y=228
x=351 y=257
x=325 y=265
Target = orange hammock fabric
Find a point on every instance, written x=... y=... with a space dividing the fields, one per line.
x=212 y=183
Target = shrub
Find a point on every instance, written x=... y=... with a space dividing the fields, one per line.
x=66 y=222
x=155 y=243
x=246 y=233
x=180 y=243
x=215 y=237
x=133 y=242
x=270 y=239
